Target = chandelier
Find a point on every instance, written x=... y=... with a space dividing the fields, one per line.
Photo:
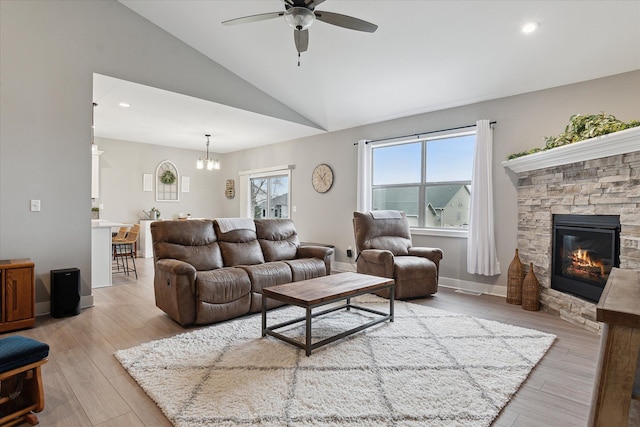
x=211 y=163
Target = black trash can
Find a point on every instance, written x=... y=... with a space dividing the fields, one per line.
x=65 y=292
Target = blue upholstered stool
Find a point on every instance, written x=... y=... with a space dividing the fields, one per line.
x=21 y=390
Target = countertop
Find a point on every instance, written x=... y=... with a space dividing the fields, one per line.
x=104 y=223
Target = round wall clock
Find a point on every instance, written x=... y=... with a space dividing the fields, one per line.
x=322 y=178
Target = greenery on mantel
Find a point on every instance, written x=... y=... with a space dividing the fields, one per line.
x=580 y=128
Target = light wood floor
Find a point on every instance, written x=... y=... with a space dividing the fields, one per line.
x=86 y=386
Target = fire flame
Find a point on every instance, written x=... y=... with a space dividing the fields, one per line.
x=582 y=258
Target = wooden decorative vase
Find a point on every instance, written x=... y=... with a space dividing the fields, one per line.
x=531 y=291
x=515 y=277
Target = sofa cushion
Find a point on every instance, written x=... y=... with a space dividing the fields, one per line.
x=263 y=276
x=239 y=246
x=278 y=239
x=222 y=285
x=267 y=274
x=306 y=268
x=413 y=267
x=192 y=241
x=222 y=294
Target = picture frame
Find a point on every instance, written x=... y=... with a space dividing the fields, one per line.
x=147 y=182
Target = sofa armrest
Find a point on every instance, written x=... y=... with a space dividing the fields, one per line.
x=175 y=289
x=378 y=262
x=174 y=266
x=434 y=254
x=322 y=252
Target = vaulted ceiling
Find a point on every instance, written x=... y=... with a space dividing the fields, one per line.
x=424 y=56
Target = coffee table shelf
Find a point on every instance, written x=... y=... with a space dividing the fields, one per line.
x=313 y=293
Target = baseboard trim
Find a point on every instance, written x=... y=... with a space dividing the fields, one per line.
x=465 y=285
x=44 y=308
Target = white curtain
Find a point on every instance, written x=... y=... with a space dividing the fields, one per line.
x=481 y=245
x=364 y=177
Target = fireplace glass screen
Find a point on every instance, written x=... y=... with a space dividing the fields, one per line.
x=586 y=248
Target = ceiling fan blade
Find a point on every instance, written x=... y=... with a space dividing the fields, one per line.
x=313 y=3
x=253 y=18
x=309 y=4
x=346 y=21
x=302 y=40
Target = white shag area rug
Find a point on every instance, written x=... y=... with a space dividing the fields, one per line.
x=427 y=368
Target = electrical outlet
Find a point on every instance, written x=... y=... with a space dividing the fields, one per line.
x=35 y=205
x=349 y=252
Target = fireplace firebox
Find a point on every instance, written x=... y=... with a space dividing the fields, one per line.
x=585 y=249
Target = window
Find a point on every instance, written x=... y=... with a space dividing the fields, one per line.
x=265 y=193
x=270 y=197
x=428 y=178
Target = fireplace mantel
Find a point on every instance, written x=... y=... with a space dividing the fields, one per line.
x=625 y=141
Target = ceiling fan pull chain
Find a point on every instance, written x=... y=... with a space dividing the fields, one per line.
x=298 y=59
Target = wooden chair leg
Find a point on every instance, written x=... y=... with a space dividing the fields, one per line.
x=32 y=393
x=32 y=419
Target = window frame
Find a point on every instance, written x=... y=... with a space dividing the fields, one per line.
x=423 y=184
x=244 y=187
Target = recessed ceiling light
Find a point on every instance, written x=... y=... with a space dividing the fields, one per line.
x=530 y=27
x=124 y=105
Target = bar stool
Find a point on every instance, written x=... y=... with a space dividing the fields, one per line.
x=119 y=239
x=122 y=232
x=125 y=249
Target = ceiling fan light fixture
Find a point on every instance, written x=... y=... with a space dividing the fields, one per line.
x=299 y=18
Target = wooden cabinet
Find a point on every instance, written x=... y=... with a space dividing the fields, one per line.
x=17 y=294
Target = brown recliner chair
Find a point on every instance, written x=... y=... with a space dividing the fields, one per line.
x=383 y=243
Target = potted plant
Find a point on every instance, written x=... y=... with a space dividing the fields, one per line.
x=95 y=212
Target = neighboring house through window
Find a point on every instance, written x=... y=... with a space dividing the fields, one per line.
x=429 y=178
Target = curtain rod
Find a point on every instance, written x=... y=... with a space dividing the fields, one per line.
x=417 y=135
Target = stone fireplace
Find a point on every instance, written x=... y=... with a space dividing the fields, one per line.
x=599 y=177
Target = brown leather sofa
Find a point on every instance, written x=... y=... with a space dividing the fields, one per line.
x=383 y=243
x=207 y=271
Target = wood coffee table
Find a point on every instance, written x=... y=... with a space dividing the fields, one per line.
x=320 y=291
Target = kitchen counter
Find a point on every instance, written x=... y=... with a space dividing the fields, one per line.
x=101 y=251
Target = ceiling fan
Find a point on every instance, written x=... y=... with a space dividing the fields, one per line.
x=300 y=14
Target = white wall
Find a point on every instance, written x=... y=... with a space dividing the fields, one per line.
x=122 y=165
x=522 y=122
x=49 y=52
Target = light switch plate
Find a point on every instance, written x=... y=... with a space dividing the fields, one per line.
x=35 y=205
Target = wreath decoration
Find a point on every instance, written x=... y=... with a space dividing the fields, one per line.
x=167 y=177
